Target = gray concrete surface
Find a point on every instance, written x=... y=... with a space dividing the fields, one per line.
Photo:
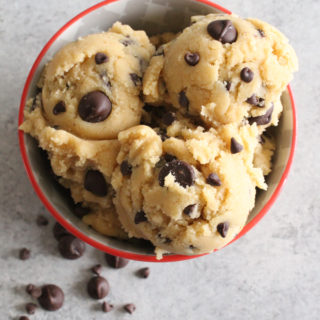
x=271 y=273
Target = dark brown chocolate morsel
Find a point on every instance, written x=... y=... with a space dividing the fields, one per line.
x=136 y=79
x=116 y=262
x=52 y=297
x=262 y=120
x=94 y=107
x=246 y=75
x=29 y=288
x=261 y=32
x=192 y=58
x=183 y=173
x=144 y=272
x=130 y=308
x=31 y=308
x=140 y=217
x=235 y=146
x=168 y=118
x=126 y=168
x=106 y=307
x=213 y=180
x=100 y=58
x=95 y=183
x=256 y=101
x=228 y=85
x=24 y=254
x=71 y=247
x=97 y=269
x=59 y=231
x=42 y=220
x=98 y=287
x=24 y=318
x=35 y=292
x=183 y=100
x=223 y=31
x=80 y=211
x=188 y=210
x=223 y=228
x=60 y=107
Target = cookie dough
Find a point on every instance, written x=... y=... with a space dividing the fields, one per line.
x=91 y=87
x=190 y=193
x=224 y=69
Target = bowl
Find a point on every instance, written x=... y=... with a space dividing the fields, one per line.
x=154 y=16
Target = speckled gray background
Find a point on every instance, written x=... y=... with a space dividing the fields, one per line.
x=271 y=273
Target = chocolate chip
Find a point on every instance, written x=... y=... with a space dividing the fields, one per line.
x=97 y=269
x=29 y=288
x=188 y=210
x=168 y=118
x=59 y=231
x=116 y=262
x=126 y=168
x=136 y=79
x=223 y=228
x=183 y=100
x=94 y=182
x=36 y=292
x=261 y=32
x=100 y=58
x=130 y=308
x=31 y=308
x=80 y=211
x=106 y=307
x=235 y=146
x=42 y=221
x=52 y=297
x=191 y=58
x=140 y=217
x=264 y=119
x=169 y=157
x=24 y=318
x=228 y=85
x=223 y=31
x=213 y=180
x=256 y=101
x=183 y=173
x=246 y=75
x=60 y=107
x=24 y=254
x=98 y=287
x=71 y=247
x=94 y=107
x=144 y=272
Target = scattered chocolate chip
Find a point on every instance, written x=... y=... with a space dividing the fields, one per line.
x=126 y=168
x=42 y=220
x=256 y=101
x=24 y=254
x=188 y=210
x=97 y=269
x=140 y=217
x=191 y=58
x=183 y=100
x=80 y=211
x=100 y=58
x=261 y=32
x=71 y=247
x=98 y=287
x=168 y=118
x=29 y=288
x=94 y=182
x=228 y=85
x=130 y=308
x=223 y=31
x=36 y=292
x=213 y=180
x=144 y=272
x=169 y=157
x=116 y=262
x=264 y=119
x=136 y=79
x=246 y=75
x=235 y=146
x=94 y=107
x=106 y=307
x=59 y=231
x=60 y=107
x=31 y=308
x=24 y=318
x=52 y=297
x=183 y=173
x=223 y=228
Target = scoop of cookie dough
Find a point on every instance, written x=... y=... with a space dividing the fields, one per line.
x=91 y=87
x=224 y=69
x=190 y=193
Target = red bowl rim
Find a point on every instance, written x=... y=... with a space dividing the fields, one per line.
x=79 y=234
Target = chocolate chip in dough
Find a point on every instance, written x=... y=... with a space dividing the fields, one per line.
x=130 y=308
x=213 y=180
x=95 y=183
x=223 y=31
x=71 y=247
x=80 y=211
x=126 y=168
x=256 y=101
x=106 y=307
x=94 y=107
x=235 y=146
x=183 y=173
x=136 y=79
x=140 y=217
x=188 y=210
x=228 y=85
x=246 y=75
x=223 y=228
x=262 y=120
x=261 y=32
x=24 y=254
x=100 y=58
x=60 y=107
x=116 y=262
x=98 y=287
x=183 y=100
x=52 y=297
x=192 y=58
